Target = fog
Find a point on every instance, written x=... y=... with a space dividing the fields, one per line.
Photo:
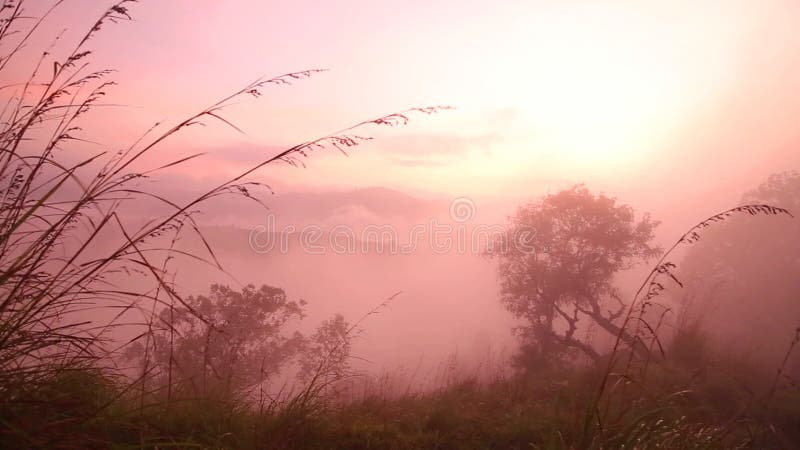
x=695 y=164
x=317 y=245
x=236 y=200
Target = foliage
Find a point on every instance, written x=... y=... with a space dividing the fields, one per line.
x=740 y=281
x=327 y=351
x=524 y=412
x=628 y=363
x=566 y=271
x=225 y=342
x=62 y=196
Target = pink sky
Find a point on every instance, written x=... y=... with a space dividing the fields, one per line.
x=630 y=97
x=675 y=107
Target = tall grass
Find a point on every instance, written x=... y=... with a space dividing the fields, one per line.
x=54 y=213
x=612 y=418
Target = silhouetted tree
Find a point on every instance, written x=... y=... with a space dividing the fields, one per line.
x=557 y=264
x=741 y=278
x=228 y=341
x=327 y=352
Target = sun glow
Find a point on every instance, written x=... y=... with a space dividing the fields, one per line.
x=593 y=108
x=593 y=95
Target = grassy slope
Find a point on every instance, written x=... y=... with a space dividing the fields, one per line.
x=542 y=411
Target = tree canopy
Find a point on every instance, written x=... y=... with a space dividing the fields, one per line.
x=564 y=271
x=228 y=341
x=741 y=278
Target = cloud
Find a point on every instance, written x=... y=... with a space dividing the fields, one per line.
x=417 y=150
x=290 y=204
x=405 y=150
x=420 y=162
